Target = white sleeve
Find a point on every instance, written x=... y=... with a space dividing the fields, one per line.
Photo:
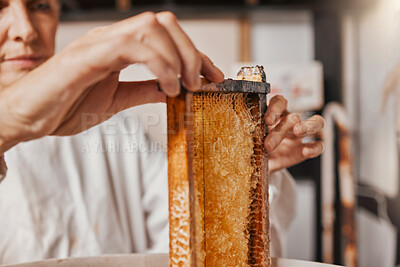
x=3 y=168
x=282 y=199
x=155 y=199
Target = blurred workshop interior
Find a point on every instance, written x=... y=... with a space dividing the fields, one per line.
x=328 y=57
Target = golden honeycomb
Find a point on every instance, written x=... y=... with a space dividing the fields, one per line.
x=223 y=166
x=218 y=192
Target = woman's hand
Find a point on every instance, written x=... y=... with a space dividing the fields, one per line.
x=83 y=78
x=286 y=131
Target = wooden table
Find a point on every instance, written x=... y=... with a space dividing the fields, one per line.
x=139 y=260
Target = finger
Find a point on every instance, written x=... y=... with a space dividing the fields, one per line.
x=312 y=126
x=168 y=80
x=189 y=56
x=146 y=29
x=281 y=131
x=276 y=109
x=209 y=70
x=313 y=149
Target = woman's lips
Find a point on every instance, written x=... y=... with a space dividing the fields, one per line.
x=24 y=62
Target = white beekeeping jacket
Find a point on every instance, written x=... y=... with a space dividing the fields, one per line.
x=102 y=191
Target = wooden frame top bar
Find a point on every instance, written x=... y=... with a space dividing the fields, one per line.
x=233 y=86
x=237 y=86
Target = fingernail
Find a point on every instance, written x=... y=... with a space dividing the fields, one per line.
x=219 y=74
x=177 y=87
x=301 y=129
x=310 y=151
x=174 y=86
x=271 y=119
x=271 y=143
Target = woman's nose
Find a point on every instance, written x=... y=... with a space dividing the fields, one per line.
x=21 y=28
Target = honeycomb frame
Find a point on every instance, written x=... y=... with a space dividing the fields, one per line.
x=189 y=245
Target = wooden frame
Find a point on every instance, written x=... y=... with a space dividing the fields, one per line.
x=184 y=240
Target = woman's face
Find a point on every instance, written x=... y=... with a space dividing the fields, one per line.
x=27 y=36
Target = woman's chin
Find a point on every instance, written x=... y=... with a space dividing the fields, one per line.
x=12 y=77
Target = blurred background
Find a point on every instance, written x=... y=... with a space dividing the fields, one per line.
x=315 y=52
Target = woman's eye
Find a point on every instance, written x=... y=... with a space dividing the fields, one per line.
x=2 y=5
x=41 y=6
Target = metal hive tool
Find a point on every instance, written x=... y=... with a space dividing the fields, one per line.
x=218 y=176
